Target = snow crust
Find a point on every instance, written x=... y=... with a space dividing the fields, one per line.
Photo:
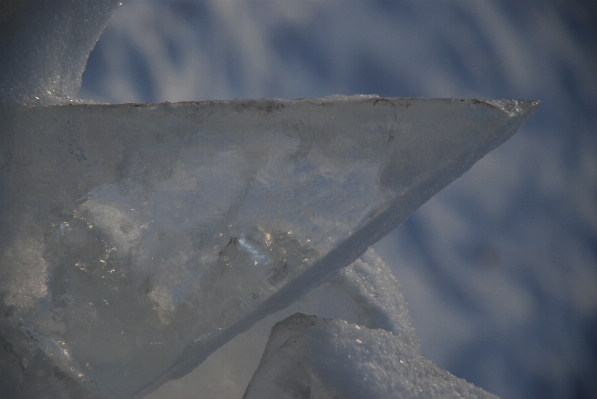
x=310 y=357
x=160 y=232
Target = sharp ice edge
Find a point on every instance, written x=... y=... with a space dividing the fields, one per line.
x=513 y=107
x=339 y=97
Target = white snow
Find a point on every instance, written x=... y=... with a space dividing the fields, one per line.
x=311 y=357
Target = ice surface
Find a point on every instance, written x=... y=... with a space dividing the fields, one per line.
x=365 y=293
x=44 y=45
x=137 y=239
x=311 y=357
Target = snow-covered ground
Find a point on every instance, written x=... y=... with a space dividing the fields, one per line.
x=500 y=268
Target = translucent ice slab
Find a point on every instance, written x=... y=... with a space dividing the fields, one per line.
x=310 y=357
x=137 y=239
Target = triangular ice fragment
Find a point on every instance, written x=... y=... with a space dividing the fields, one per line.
x=137 y=239
x=311 y=357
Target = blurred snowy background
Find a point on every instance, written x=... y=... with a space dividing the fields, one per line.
x=500 y=268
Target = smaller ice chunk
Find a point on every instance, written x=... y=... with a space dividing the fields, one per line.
x=44 y=46
x=365 y=293
x=311 y=357
x=145 y=237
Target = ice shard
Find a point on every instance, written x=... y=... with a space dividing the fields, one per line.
x=311 y=357
x=137 y=239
